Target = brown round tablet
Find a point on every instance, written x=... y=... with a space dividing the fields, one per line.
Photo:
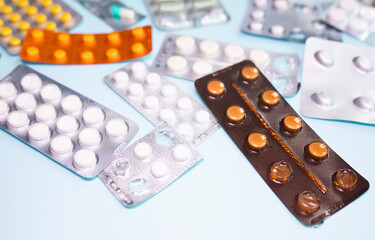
x=317 y=150
x=280 y=172
x=250 y=73
x=215 y=88
x=292 y=124
x=307 y=203
x=257 y=141
x=270 y=98
x=235 y=114
x=345 y=179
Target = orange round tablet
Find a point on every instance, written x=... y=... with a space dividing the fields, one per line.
x=63 y=38
x=60 y=55
x=235 y=114
x=138 y=49
x=317 y=150
x=87 y=57
x=270 y=98
x=114 y=38
x=37 y=35
x=250 y=73
x=257 y=141
x=89 y=39
x=113 y=54
x=138 y=32
x=32 y=52
x=215 y=88
x=292 y=124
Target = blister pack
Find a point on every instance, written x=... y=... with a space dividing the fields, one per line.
x=191 y=58
x=113 y=12
x=328 y=87
x=17 y=16
x=180 y=14
x=66 y=126
x=287 y=19
x=159 y=100
x=63 y=48
x=310 y=179
x=149 y=165
x=354 y=18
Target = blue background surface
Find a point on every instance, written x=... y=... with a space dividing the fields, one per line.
x=223 y=197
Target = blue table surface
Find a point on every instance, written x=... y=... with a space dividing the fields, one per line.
x=222 y=197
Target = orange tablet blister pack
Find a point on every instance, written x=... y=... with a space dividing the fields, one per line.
x=63 y=48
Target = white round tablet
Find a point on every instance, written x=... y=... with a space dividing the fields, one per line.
x=151 y=103
x=233 y=52
x=7 y=90
x=25 y=101
x=45 y=113
x=324 y=58
x=181 y=153
x=357 y=26
x=138 y=70
x=120 y=79
x=201 y=68
x=167 y=115
x=169 y=91
x=39 y=132
x=93 y=116
x=260 y=3
x=336 y=16
x=50 y=93
x=277 y=30
x=135 y=90
x=4 y=108
x=89 y=137
x=153 y=80
x=159 y=169
x=185 y=130
x=363 y=64
x=61 y=145
x=257 y=15
x=84 y=159
x=177 y=64
x=31 y=82
x=185 y=44
x=259 y=57
x=116 y=128
x=209 y=48
x=349 y=5
x=184 y=104
x=66 y=124
x=367 y=13
x=256 y=26
x=18 y=119
x=202 y=117
x=143 y=150
x=71 y=104
x=280 y=5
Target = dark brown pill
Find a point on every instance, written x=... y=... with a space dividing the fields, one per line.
x=317 y=151
x=257 y=141
x=250 y=73
x=270 y=98
x=280 y=172
x=307 y=203
x=215 y=88
x=292 y=124
x=235 y=114
x=345 y=179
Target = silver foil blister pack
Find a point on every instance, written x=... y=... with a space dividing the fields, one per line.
x=159 y=100
x=180 y=14
x=191 y=58
x=113 y=12
x=66 y=126
x=288 y=19
x=149 y=165
x=338 y=81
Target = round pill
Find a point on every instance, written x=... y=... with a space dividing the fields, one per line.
x=235 y=114
x=277 y=30
x=169 y=91
x=363 y=64
x=45 y=113
x=4 y=108
x=249 y=73
x=138 y=48
x=260 y=3
x=63 y=38
x=336 y=16
x=56 y=9
x=24 y=26
x=15 y=17
x=66 y=124
x=84 y=159
x=135 y=90
x=177 y=64
x=202 y=117
x=31 y=82
x=15 y=42
x=317 y=151
x=61 y=145
x=60 y=55
x=120 y=79
x=50 y=26
x=6 y=32
x=50 y=93
x=201 y=68
x=153 y=80
x=38 y=132
x=47 y=3
x=324 y=58
x=6 y=9
x=215 y=88
x=256 y=26
x=181 y=153
x=257 y=141
x=280 y=5
x=116 y=128
x=364 y=104
x=348 y=5
x=357 y=26
x=259 y=57
x=66 y=17
x=112 y=54
x=280 y=172
x=257 y=15
x=143 y=150
x=31 y=11
x=209 y=48
x=322 y=99
x=345 y=179
x=185 y=44
x=367 y=13
x=89 y=137
x=138 y=32
x=307 y=203
x=18 y=119
x=87 y=57
x=185 y=130
x=93 y=116
x=167 y=115
x=23 y=3
x=159 y=169
x=89 y=39
x=71 y=104
x=138 y=69
x=114 y=38
x=32 y=52
x=7 y=90
x=233 y=52
x=184 y=104
x=40 y=18
x=151 y=103
x=270 y=98
x=292 y=124
x=25 y=101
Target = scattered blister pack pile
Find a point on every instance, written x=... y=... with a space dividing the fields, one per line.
x=160 y=100
x=290 y=20
x=190 y=58
x=149 y=165
x=353 y=17
x=113 y=12
x=338 y=81
x=16 y=17
x=179 y=14
x=68 y=127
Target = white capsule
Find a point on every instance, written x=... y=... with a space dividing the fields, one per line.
x=181 y=153
x=357 y=26
x=362 y=64
x=84 y=159
x=256 y=26
x=71 y=104
x=151 y=103
x=201 y=68
x=169 y=91
x=322 y=100
x=31 y=82
x=93 y=116
x=233 y=52
x=89 y=137
x=4 y=109
x=153 y=80
x=349 y=5
x=160 y=169
x=364 y=104
x=185 y=130
x=336 y=16
x=202 y=117
x=257 y=15
x=25 y=101
x=324 y=58
x=184 y=104
x=116 y=128
x=135 y=90
x=259 y=57
x=120 y=79
x=277 y=30
x=209 y=48
x=185 y=44
x=18 y=120
x=61 y=145
x=50 y=93
x=138 y=69
x=7 y=90
x=45 y=113
x=167 y=115
x=177 y=64
x=66 y=124
x=39 y=132
x=143 y=151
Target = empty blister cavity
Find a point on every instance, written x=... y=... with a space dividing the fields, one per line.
x=324 y=58
x=362 y=64
x=121 y=167
x=322 y=99
x=365 y=104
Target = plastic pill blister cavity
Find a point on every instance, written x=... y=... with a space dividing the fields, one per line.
x=159 y=100
x=338 y=81
x=288 y=20
x=68 y=127
x=190 y=58
x=180 y=14
x=16 y=17
x=149 y=165
x=113 y=12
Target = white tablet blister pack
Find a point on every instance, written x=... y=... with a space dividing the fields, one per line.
x=191 y=58
x=159 y=100
x=66 y=126
x=287 y=19
x=354 y=18
x=338 y=81
x=180 y=14
x=149 y=165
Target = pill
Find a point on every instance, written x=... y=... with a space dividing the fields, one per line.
x=18 y=119
x=143 y=151
x=23 y=4
x=201 y=68
x=6 y=10
x=71 y=104
x=277 y=30
x=24 y=26
x=66 y=17
x=280 y=172
x=40 y=18
x=184 y=104
x=85 y=159
x=15 y=42
x=336 y=16
x=138 y=70
x=167 y=115
x=177 y=64
x=256 y=26
x=367 y=13
x=153 y=80
x=47 y=3
x=114 y=38
x=292 y=124
x=61 y=145
x=93 y=116
x=345 y=179
x=32 y=53
x=348 y=5
x=63 y=39
x=322 y=100
x=185 y=44
x=257 y=15
x=4 y=108
x=317 y=151
x=138 y=48
x=7 y=90
x=169 y=91
x=151 y=103
x=202 y=117
x=66 y=124
x=6 y=32
x=112 y=54
x=31 y=11
x=280 y=4
x=50 y=93
x=116 y=128
x=364 y=104
x=31 y=82
x=307 y=203
x=160 y=169
x=126 y=14
x=209 y=48
x=37 y=34
x=45 y=113
x=324 y=58
x=233 y=52
x=362 y=64
x=87 y=57
x=181 y=153
x=25 y=101
x=204 y=4
x=235 y=114
x=215 y=88
x=120 y=79
x=135 y=90
x=89 y=137
x=259 y=57
x=89 y=39
x=138 y=33
x=357 y=26
x=51 y=26
x=60 y=55
x=1 y=22
x=39 y=132
x=257 y=141
x=270 y=98
x=260 y=3
x=15 y=17
x=185 y=130
x=249 y=73
x=169 y=7
x=56 y=9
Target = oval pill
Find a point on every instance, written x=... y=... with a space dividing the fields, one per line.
x=364 y=104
